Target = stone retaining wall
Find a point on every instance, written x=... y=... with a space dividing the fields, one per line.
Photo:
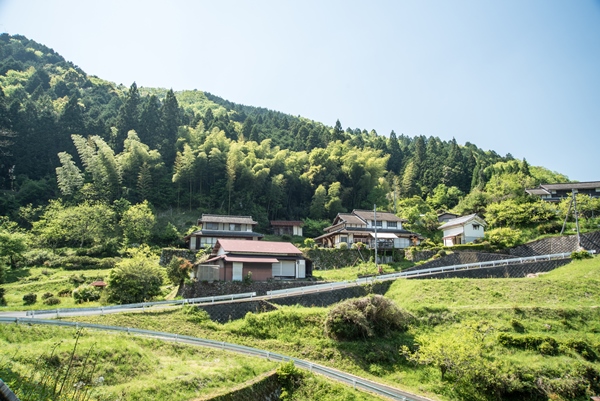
x=460 y=258
x=263 y=388
x=216 y=288
x=512 y=271
x=564 y=244
x=226 y=311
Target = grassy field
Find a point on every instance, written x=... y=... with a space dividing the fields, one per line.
x=40 y=280
x=538 y=339
x=527 y=338
x=360 y=270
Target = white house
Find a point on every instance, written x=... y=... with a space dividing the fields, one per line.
x=463 y=230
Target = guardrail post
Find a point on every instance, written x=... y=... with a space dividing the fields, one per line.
x=58 y=313
x=354 y=384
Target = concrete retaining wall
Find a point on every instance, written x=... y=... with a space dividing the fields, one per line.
x=224 y=312
x=216 y=288
x=6 y=394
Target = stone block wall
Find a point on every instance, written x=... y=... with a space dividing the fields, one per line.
x=169 y=253
x=226 y=311
x=564 y=244
x=264 y=388
x=460 y=258
x=204 y=289
x=512 y=271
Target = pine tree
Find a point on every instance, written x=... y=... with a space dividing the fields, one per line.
x=128 y=118
x=395 y=161
x=149 y=128
x=169 y=123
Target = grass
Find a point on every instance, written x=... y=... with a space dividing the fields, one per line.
x=126 y=367
x=40 y=280
x=360 y=270
x=561 y=306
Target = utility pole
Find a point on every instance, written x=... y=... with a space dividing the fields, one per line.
x=375 y=224
x=576 y=219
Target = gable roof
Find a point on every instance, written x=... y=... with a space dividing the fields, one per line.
x=219 y=218
x=571 y=185
x=367 y=215
x=262 y=247
x=460 y=221
x=348 y=218
x=287 y=223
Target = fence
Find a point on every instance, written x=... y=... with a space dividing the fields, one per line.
x=143 y=305
x=355 y=381
x=417 y=273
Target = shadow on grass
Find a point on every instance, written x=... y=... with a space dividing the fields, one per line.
x=13 y=275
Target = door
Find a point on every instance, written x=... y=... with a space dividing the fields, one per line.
x=301 y=269
x=238 y=267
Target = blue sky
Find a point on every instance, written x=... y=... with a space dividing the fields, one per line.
x=519 y=77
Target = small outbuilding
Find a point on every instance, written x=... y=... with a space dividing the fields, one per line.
x=463 y=230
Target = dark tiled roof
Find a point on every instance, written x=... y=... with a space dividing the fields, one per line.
x=349 y=218
x=460 y=220
x=222 y=233
x=287 y=223
x=218 y=218
x=367 y=215
x=571 y=185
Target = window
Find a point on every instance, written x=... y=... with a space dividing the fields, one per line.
x=376 y=223
x=344 y=239
x=392 y=224
x=211 y=226
x=235 y=227
x=207 y=241
x=476 y=226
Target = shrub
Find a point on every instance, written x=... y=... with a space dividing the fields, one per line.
x=65 y=292
x=2 y=300
x=579 y=255
x=52 y=301
x=309 y=243
x=47 y=295
x=135 y=280
x=39 y=257
x=343 y=245
x=504 y=237
x=83 y=263
x=29 y=299
x=365 y=317
x=85 y=293
x=178 y=270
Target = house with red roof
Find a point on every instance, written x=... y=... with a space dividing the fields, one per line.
x=234 y=260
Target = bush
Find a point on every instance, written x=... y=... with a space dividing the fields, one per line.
x=52 y=301
x=343 y=245
x=83 y=263
x=309 y=243
x=39 y=257
x=85 y=293
x=135 y=280
x=178 y=270
x=29 y=299
x=579 y=255
x=365 y=317
x=47 y=295
x=65 y=292
x=2 y=300
x=504 y=237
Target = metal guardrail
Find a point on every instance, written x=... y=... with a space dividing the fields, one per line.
x=417 y=273
x=355 y=381
x=143 y=305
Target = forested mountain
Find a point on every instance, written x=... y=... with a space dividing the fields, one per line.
x=79 y=137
